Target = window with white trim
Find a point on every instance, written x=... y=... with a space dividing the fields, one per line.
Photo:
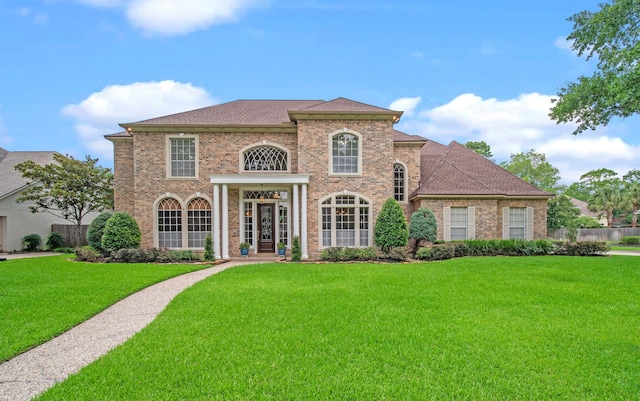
x=265 y=158
x=182 y=157
x=345 y=221
x=345 y=153
x=399 y=182
x=459 y=223
x=169 y=224
x=517 y=223
x=198 y=222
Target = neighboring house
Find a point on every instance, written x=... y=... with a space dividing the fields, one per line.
x=262 y=171
x=16 y=220
x=584 y=211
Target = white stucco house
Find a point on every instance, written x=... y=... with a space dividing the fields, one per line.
x=16 y=220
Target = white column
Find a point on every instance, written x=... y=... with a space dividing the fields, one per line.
x=296 y=211
x=225 y=222
x=303 y=222
x=216 y=221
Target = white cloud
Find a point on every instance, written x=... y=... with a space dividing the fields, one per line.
x=562 y=43
x=100 y=113
x=177 y=17
x=518 y=125
x=406 y=104
x=38 y=18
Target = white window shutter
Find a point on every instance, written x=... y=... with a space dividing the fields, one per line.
x=447 y=223
x=471 y=222
x=505 y=223
x=529 y=229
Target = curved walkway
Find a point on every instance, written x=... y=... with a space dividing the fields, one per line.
x=38 y=369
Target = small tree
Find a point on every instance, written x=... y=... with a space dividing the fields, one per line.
x=423 y=226
x=120 y=232
x=96 y=229
x=68 y=188
x=296 y=252
x=208 y=249
x=390 y=230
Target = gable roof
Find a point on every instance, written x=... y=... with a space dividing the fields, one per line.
x=11 y=181
x=399 y=136
x=260 y=113
x=456 y=170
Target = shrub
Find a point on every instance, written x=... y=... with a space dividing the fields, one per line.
x=88 y=254
x=630 y=240
x=208 y=249
x=121 y=231
x=54 y=240
x=31 y=242
x=400 y=254
x=340 y=254
x=423 y=253
x=64 y=249
x=96 y=229
x=423 y=226
x=582 y=248
x=390 y=230
x=442 y=251
x=296 y=252
x=460 y=249
x=152 y=255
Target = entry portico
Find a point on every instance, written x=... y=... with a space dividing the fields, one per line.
x=274 y=200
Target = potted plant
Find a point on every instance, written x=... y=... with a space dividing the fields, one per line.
x=282 y=248
x=244 y=248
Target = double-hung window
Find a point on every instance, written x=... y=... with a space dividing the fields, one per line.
x=345 y=153
x=183 y=157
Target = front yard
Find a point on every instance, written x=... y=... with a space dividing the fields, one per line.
x=528 y=328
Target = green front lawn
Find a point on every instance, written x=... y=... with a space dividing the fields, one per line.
x=43 y=297
x=526 y=328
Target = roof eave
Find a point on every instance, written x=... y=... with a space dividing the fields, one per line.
x=391 y=115
x=161 y=128
x=472 y=196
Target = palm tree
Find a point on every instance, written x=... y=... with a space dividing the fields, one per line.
x=631 y=194
x=606 y=199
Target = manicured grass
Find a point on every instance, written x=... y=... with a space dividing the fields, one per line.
x=625 y=248
x=43 y=297
x=535 y=328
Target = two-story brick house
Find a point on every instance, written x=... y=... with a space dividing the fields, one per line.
x=263 y=171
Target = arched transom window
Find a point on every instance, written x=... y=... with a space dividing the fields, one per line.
x=265 y=158
x=174 y=230
x=399 y=182
x=345 y=221
x=169 y=224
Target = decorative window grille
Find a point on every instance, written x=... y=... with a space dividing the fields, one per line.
x=345 y=153
x=265 y=158
x=183 y=157
x=399 y=180
x=198 y=222
x=248 y=222
x=169 y=224
x=284 y=223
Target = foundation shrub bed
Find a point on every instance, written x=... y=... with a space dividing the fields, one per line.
x=582 y=248
x=343 y=254
x=630 y=240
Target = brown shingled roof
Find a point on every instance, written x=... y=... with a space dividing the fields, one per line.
x=399 y=136
x=458 y=170
x=343 y=104
x=11 y=180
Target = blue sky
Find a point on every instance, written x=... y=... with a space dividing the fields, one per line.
x=462 y=70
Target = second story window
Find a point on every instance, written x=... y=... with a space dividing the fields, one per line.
x=182 y=157
x=345 y=153
x=265 y=158
x=399 y=183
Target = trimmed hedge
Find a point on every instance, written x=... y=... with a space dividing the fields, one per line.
x=582 y=248
x=630 y=240
x=151 y=255
x=340 y=254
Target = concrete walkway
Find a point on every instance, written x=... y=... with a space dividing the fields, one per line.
x=38 y=369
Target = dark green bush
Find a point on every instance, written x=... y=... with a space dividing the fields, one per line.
x=88 y=254
x=120 y=232
x=340 y=254
x=152 y=255
x=64 y=249
x=400 y=254
x=442 y=251
x=96 y=229
x=390 y=230
x=208 y=249
x=296 y=251
x=460 y=249
x=582 y=248
x=630 y=240
x=31 y=242
x=54 y=240
x=424 y=253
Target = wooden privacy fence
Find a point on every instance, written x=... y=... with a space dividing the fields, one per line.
x=74 y=236
x=598 y=234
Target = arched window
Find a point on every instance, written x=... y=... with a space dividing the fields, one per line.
x=169 y=224
x=399 y=182
x=345 y=221
x=198 y=222
x=265 y=158
x=345 y=153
